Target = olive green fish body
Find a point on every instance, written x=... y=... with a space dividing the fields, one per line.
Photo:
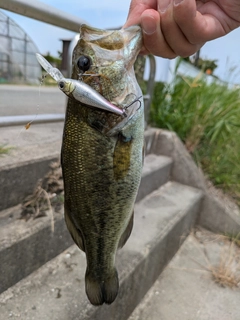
x=102 y=155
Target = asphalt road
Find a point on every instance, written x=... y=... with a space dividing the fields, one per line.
x=31 y=100
x=40 y=139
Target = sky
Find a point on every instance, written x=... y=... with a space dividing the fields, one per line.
x=113 y=13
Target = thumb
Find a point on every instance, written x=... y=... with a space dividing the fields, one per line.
x=137 y=7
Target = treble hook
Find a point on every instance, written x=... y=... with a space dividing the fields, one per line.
x=136 y=100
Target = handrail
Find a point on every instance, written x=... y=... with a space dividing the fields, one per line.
x=150 y=87
x=8 y=121
x=43 y=12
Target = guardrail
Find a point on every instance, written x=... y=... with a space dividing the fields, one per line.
x=45 y=13
x=9 y=121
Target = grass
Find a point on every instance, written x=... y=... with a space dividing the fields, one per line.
x=234 y=238
x=218 y=255
x=48 y=195
x=207 y=119
x=226 y=271
x=4 y=150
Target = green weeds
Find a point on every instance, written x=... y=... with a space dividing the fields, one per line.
x=4 y=150
x=207 y=119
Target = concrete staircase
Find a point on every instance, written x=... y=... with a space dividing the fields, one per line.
x=42 y=273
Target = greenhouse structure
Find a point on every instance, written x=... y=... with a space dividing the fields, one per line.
x=18 y=63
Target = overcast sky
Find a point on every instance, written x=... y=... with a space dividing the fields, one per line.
x=113 y=13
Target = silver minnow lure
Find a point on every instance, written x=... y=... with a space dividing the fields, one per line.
x=87 y=95
x=79 y=90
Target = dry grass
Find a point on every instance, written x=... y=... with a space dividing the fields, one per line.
x=220 y=257
x=233 y=238
x=38 y=205
x=226 y=271
x=48 y=194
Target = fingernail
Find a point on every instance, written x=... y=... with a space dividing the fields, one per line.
x=149 y=25
x=163 y=5
x=177 y=2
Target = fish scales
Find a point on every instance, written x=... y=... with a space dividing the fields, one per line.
x=102 y=155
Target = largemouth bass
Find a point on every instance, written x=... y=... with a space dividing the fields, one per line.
x=102 y=154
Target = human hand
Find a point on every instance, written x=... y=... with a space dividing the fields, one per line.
x=181 y=27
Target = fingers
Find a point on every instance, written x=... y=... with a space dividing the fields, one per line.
x=175 y=27
x=181 y=39
x=153 y=38
x=137 y=7
x=144 y=13
x=199 y=22
x=163 y=37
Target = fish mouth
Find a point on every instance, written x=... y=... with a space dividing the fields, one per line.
x=110 y=39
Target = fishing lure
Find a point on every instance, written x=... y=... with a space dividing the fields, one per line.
x=79 y=90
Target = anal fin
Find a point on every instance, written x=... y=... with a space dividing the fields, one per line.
x=75 y=232
x=126 y=233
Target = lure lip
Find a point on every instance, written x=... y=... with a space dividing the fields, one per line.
x=54 y=72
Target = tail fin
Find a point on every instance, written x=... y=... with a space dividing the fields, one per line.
x=102 y=291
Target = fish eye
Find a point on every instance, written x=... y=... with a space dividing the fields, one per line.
x=61 y=85
x=84 y=63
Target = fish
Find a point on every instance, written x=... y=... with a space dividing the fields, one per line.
x=102 y=154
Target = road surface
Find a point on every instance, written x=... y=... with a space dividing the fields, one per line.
x=26 y=100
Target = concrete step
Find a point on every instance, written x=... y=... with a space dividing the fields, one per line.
x=32 y=152
x=156 y=172
x=19 y=180
x=56 y=290
x=187 y=290
x=25 y=246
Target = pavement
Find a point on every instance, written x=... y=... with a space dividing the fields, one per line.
x=24 y=100
x=38 y=140
x=200 y=283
